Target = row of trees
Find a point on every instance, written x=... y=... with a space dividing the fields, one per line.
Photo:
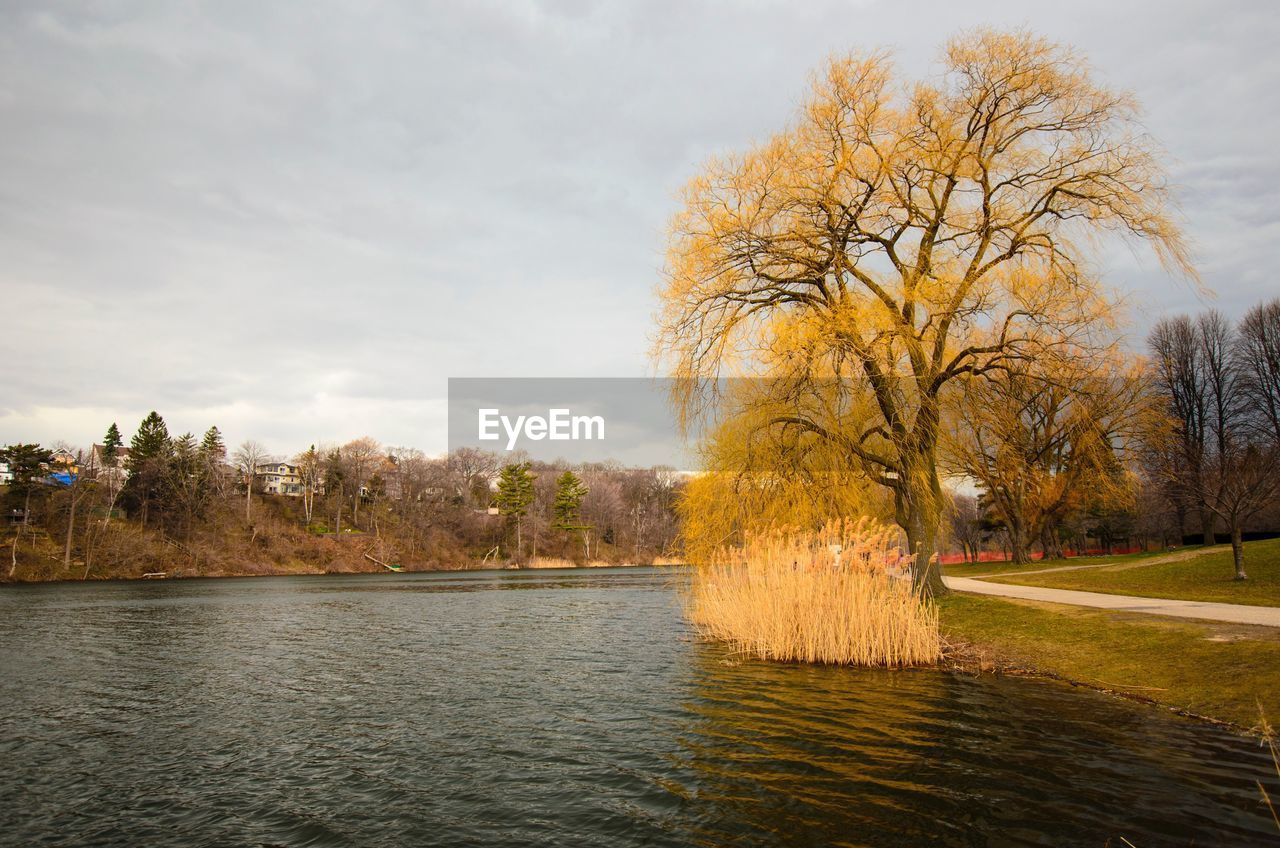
x=402 y=504
x=1082 y=448
x=629 y=510
x=1215 y=456
x=1188 y=437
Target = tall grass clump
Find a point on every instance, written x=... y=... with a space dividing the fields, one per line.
x=839 y=596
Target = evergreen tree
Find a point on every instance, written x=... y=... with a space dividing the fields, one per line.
x=567 y=506
x=111 y=443
x=212 y=448
x=150 y=442
x=149 y=453
x=213 y=456
x=515 y=494
x=28 y=464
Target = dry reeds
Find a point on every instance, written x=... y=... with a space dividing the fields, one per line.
x=840 y=596
x=550 y=562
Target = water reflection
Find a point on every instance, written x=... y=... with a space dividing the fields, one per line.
x=804 y=755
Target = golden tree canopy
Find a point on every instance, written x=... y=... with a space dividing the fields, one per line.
x=906 y=235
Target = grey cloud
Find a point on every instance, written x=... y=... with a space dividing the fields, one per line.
x=297 y=220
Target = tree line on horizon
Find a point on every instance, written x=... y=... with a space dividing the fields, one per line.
x=397 y=503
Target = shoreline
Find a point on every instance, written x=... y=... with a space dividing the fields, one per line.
x=6 y=582
x=974 y=660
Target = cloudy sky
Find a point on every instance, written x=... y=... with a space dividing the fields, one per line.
x=297 y=220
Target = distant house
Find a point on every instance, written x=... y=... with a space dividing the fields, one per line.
x=65 y=462
x=6 y=475
x=64 y=468
x=114 y=472
x=278 y=478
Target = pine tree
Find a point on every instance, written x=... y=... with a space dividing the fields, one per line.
x=27 y=464
x=150 y=442
x=515 y=494
x=567 y=506
x=212 y=457
x=212 y=448
x=148 y=463
x=111 y=443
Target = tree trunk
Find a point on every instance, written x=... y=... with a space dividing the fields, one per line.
x=1050 y=543
x=918 y=508
x=1019 y=543
x=1206 y=527
x=1237 y=550
x=922 y=540
x=248 y=502
x=71 y=526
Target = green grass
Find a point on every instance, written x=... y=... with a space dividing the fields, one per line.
x=1222 y=671
x=1208 y=577
x=963 y=569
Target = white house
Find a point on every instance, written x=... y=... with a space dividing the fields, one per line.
x=113 y=472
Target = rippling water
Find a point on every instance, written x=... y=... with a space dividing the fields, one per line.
x=560 y=708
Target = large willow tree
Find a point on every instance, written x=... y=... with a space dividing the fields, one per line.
x=906 y=237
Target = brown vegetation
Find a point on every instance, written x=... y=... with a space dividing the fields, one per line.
x=837 y=596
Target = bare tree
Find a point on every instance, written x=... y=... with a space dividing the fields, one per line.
x=310 y=475
x=1181 y=383
x=966 y=525
x=1230 y=465
x=473 y=470
x=247 y=458
x=1259 y=355
x=362 y=458
x=78 y=486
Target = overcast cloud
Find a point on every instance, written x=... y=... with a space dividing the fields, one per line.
x=296 y=220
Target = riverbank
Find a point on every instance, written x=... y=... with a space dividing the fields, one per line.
x=40 y=560
x=1221 y=672
x=277 y=541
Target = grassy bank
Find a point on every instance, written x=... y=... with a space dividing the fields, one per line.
x=1225 y=672
x=1206 y=577
x=978 y=569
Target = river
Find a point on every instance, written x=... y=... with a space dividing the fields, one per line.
x=553 y=708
